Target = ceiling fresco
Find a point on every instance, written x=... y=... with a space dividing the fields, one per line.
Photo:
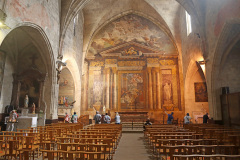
x=131 y=28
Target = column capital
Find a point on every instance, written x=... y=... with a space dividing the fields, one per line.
x=156 y=69
x=114 y=70
x=107 y=70
x=149 y=69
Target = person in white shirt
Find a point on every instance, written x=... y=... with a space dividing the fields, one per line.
x=66 y=118
x=117 y=119
x=187 y=119
x=107 y=119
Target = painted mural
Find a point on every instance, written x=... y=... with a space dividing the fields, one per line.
x=66 y=88
x=132 y=91
x=97 y=89
x=2 y=62
x=131 y=28
x=201 y=92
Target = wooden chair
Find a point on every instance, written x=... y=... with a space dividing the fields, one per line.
x=28 y=147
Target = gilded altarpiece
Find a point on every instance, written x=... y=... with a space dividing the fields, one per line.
x=155 y=86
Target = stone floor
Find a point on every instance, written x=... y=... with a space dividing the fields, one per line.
x=132 y=147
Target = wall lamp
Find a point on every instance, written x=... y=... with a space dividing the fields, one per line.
x=3 y=17
x=60 y=64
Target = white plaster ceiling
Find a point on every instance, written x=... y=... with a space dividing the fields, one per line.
x=97 y=13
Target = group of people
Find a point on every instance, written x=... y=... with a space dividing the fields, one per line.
x=187 y=118
x=106 y=119
x=73 y=119
x=97 y=118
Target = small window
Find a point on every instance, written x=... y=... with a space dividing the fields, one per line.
x=75 y=20
x=188 y=23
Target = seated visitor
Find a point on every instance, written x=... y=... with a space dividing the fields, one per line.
x=146 y=124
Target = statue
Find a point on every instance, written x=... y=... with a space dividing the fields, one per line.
x=12 y=120
x=26 y=101
x=33 y=108
x=167 y=92
x=104 y=109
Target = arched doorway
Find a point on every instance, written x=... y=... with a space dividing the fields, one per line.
x=196 y=97
x=66 y=97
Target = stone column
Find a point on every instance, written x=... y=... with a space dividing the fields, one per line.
x=84 y=95
x=150 y=98
x=90 y=89
x=114 y=70
x=41 y=82
x=15 y=91
x=107 y=74
x=158 y=89
x=154 y=88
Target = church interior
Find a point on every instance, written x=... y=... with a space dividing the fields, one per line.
x=141 y=59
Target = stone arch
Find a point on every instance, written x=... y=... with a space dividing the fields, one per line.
x=35 y=36
x=66 y=96
x=229 y=37
x=194 y=75
x=74 y=70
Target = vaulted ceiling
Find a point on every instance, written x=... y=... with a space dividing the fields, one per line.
x=100 y=14
x=97 y=14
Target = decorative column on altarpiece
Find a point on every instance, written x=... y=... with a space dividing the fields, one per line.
x=114 y=70
x=150 y=98
x=158 y=88
x=154 y=89
x=107 y=82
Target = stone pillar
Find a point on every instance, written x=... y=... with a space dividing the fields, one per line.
x=150 y=98
x=154 y=88
x=40 y=92
x=158 y=89
x=15 y=91
x=114 y=70
x=107 y=75
x=84 y=84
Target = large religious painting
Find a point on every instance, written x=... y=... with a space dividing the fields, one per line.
x=132 y=96
x=2 y=62
x=131 y=28
x=167 y=88
x=201 y=92
x=97 y=89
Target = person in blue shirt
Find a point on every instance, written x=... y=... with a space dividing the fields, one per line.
x=74 y=118
x=170 y=118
